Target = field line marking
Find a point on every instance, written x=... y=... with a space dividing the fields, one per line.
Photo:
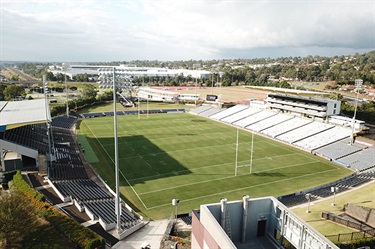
x=119 y=165
x=211 y=166
x=189 y=184
x=258 y=185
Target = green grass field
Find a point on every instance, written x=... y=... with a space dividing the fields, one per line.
x=192 y=158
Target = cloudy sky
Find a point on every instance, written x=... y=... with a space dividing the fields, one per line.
x=123 y=30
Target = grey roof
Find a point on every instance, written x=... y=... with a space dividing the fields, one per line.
x=18 y=113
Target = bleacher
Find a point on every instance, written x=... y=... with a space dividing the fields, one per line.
x=269 y=122
x=200 y=109
x=209 y=112
x=81 y=190
x=337 y=150
x=63 y=171
x=304 y=132
x=286 y=126
x=32 y=136
x=105 y=210
x=324 y=138
x=228 y=112
x=240 y=115
x=254 y=118
x=64 y=122
x=361 y=160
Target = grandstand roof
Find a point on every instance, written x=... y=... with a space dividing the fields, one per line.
x=14 y=114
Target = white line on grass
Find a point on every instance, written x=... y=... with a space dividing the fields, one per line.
x=217 y=179
x=233 y=190
x=119 y=169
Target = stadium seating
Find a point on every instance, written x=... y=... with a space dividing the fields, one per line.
x=209 y=112
x=337 y=150
x=227 y=112
x=286 y=126
x=304 y=132
x=240 y=115
x=254 y=118
x=361 y=160
x=269 y=122
x=64 y=122
x=105 y=210
x=63 y=171
x=81 y=190
x=200 y=109
x=324 y=138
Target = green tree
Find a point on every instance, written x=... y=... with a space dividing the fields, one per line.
x=16 y=218
x=13 y=91
x=88 y=91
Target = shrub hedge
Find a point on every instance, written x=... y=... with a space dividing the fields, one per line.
x=82 y=236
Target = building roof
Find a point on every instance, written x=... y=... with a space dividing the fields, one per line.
x=14 y=114
x=286 y=90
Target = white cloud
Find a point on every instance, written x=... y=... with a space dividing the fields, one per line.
x=168 y=29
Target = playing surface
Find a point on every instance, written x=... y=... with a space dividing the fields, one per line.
x=192 y=158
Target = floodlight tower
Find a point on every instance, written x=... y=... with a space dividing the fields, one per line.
x=64 y=66
x=358 y=84
x=109 y=75
x=49 y=158
x=196 y=83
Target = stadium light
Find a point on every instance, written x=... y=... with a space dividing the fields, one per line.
x=251 y=152
x=118 y=79
x=334 y=190
x=64 y=66
x=175 y=203
x=49 y=158
x=196 y=83
x=358 y=84
x=308 y=197
x=236 y=164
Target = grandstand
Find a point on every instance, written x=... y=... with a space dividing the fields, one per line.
x=305 y=131
x=240 y=115
x=323 y=139
x=26 y=135
x=269 y=122
x=228 y=112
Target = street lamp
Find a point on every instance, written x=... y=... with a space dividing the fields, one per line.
x=358 y=84
x=334 y=190
x=64 y=66
x=109 y=75
x=308 y=197
x=175 y=203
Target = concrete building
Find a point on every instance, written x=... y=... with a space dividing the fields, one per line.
x=253 y=223
x=304 y=106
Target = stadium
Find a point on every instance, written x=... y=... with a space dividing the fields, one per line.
x=286 y=148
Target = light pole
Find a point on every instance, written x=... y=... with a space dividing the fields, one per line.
x=109 y=76
x=49 y=158
x=358 y=84
x=308 y=197
x=334 y=190
x=64 y=66
x=175 y=203
x=196 y=83
x=251 y=153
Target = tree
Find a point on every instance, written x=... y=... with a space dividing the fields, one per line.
x=88 y=91
x=13 y=91
x=16 y=218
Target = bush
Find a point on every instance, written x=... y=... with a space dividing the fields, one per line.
x=83 y=236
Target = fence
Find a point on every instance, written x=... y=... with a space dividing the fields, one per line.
x=347 y=237
x=365 y=231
